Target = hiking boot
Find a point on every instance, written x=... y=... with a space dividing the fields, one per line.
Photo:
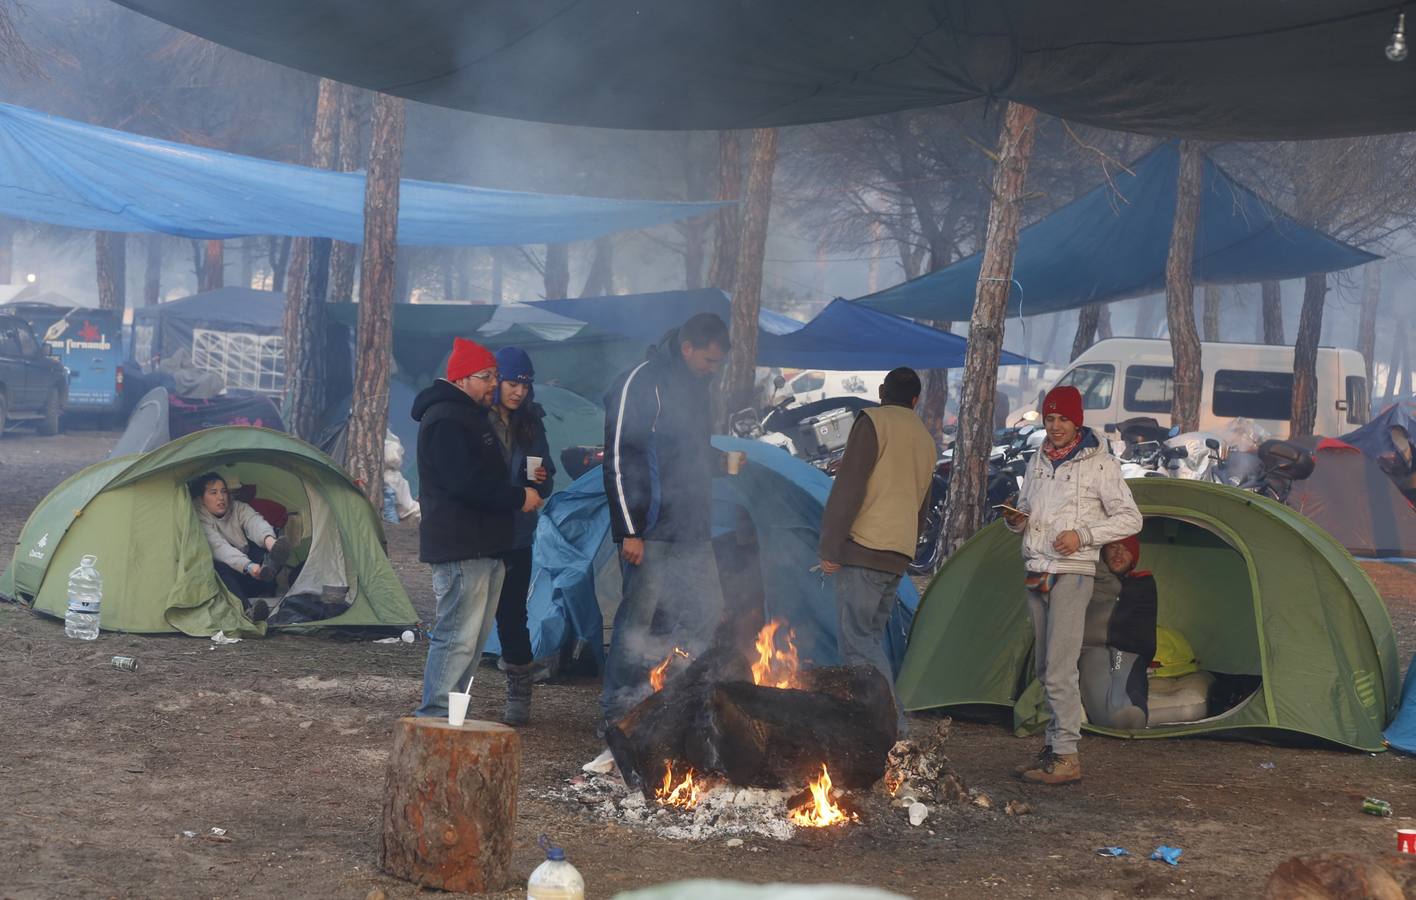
x=1060 y=768
x=260 y=611
x=278 y=554
x=518 y=695
x=1038 y=761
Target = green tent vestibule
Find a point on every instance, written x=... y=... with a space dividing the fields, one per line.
x=135 y=515
x=1257 y=589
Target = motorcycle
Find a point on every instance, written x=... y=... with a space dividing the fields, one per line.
x=815 y=432
x=1270 y=471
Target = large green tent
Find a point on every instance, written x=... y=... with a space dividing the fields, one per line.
x=1257 y=589
x=134 y=514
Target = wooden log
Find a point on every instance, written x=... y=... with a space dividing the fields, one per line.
x=449 y=811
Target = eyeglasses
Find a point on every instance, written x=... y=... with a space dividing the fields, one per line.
x=489 y=375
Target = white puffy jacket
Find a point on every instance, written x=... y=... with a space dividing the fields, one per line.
x=1086 y=494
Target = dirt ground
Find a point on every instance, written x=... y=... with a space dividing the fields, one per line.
x=282 y=742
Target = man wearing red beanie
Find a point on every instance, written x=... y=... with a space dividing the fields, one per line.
x=468 y=499
x=1073 y=501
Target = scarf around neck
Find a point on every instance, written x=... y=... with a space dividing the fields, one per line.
x=1057 y=454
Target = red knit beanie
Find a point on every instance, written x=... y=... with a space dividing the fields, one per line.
x=1133 y=546
x=468 y=358
x=1066 y=401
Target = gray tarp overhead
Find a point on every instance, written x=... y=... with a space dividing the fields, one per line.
x=1264 y=69
x=1112 y=242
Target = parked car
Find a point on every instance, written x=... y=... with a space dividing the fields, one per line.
x=33 y=384
x=89 y=344
x=1121 y=378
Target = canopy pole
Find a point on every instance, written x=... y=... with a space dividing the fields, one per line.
x=969 y=481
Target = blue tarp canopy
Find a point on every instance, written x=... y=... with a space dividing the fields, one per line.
x=1111 y=244
x=844 y=337
x=68 y=173
x=1374 y=438
x=575 y=561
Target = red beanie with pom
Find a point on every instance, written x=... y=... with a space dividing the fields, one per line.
x=468 y=358
x=1066 y=401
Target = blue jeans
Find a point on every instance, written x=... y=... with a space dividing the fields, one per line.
x=682 y=577
x=864 y=601
x=467 y=593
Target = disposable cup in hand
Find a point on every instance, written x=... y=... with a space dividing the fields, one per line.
x=735 y=460
x=1406 y=840
x=457 y=708
x=532 y=464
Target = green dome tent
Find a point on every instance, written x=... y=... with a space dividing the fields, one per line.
x=1256 y=588
x=135 y=515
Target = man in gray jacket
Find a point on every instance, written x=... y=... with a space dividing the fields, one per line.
x=1073 y=502
x=236 y=533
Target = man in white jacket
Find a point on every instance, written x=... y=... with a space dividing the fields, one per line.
x=1073 y=501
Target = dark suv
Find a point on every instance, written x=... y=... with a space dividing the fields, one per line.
x=33 y=384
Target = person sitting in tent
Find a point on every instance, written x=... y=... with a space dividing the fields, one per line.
x=517 y=422
x=237 y=533
x=1118 y=643
x=1073 y=502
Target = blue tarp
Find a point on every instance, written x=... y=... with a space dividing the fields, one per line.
x=83 y=176
x=844 y=337
x=1401 y=733
x=1112 y=244
x=784 y=498
x=1374 y=438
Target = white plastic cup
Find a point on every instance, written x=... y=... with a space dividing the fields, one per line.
x=532 y=464
x=457 y=708
x=735 y=460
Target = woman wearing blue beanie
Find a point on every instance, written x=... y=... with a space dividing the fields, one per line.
x=517 y=422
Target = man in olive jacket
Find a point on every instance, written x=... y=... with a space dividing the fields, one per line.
x=872 y=519
x=468 y=500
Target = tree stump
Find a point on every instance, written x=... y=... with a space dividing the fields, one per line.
x=1343 y=876
x=449 y=811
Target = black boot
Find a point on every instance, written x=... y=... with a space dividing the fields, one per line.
x=518 y=694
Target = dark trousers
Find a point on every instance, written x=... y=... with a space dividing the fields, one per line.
x=511 y=608
x=242 y=585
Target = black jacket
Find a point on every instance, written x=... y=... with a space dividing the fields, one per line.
x=534 y=415
x=464 y=486
x=1132 y=626
x=659 y=460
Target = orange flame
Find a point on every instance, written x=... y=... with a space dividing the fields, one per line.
x=658 y=673
x=775 y=668
x=685 y=794
x=821 y=811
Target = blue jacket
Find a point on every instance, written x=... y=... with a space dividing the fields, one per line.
x=524 y=524
x=659 y=460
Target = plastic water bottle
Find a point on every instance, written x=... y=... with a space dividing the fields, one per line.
x=555 y=879
x=85 y=594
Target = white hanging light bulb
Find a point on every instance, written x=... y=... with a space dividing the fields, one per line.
x=1396 y=47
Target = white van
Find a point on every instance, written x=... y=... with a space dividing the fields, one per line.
x=817 y=384
x=1121 y=378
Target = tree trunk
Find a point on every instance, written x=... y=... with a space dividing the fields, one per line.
x=968 y=484
x=934 y=404
x=1088 y=318
x=7 y=251
x=557 y=275
x=1148 y=317
x=449 y=807
x=601 y=280
x=727 y=226
x=498 y=288
x=279 y=261
x=305 y=374
x=1211 y=312
x=248 y=261
x=1398 y=357
x=1103 y=321
x=374 y=351
x=1305 y=357
x=1272 y=312
x=343 y=256
x=695 y=251
x=747 y=295
x=111 y=263
x=1180 y=291
x=213 y=265
x=1367 y=324
x=152 y=271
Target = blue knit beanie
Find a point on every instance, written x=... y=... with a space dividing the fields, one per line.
x=514 y=365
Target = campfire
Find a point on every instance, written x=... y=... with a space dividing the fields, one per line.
x=747 y=714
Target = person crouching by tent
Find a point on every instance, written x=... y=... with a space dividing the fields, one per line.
x=658 y=472
x=518 y=423
x=468 y=500
x=1073 y=501
x=1119 y=640
x=237 y=534
x=872 y=519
